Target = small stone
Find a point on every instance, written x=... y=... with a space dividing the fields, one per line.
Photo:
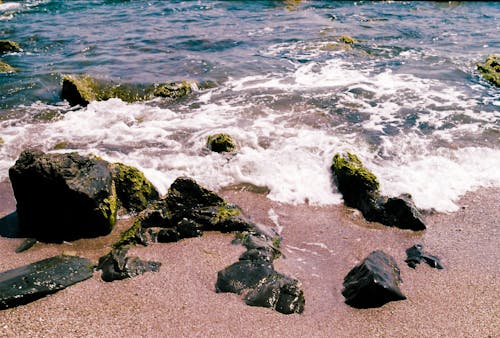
x=116 y=265
x=415 y=255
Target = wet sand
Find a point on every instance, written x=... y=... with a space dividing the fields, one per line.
x=320 y=245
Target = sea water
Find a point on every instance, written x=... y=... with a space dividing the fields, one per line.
x=406 y=97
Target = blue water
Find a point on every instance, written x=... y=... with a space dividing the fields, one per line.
x=406 y=97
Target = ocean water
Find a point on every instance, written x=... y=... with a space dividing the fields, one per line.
x=406 y=97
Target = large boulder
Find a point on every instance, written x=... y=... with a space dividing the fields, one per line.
x=63 y=196
x=8 y=46
x=374 y=282
x=83 y=89
x=133 y=189
x=36 y=280
x=490 y=69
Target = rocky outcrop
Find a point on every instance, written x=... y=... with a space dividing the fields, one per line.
x=63 y=196
x=374 y=282
x=135 y=192
x=117 y=265
x=6 y=68
x=31 y=282
x=415 y=255
x=83 y=89
x=8 y=46
x=221 y=143
x=490 y=69
x=360 y=189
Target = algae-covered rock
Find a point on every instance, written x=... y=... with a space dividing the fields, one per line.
x=133 y=189
x=36 y=280
x=221 y=143
x=63 y=196
x=8 y=46
x=173 y=90
x=6 y=68
x=490 y=69
x=347 y=39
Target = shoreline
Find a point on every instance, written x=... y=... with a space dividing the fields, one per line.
x=320 y=245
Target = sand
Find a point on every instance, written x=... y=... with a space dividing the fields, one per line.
x=320 y=245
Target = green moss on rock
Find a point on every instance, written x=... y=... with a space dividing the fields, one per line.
x=129 y=236
x=221 y=143
x=8 y=46
x=109 y=206
x=133 y=189
x=6 y=68
x=490 y=69
x=172 y=90
x=224 y=213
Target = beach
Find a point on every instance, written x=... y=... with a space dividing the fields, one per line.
x=320 y=245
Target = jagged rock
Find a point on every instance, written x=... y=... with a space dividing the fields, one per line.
x=6 y=68
x=243 y=275
x=134 y=190
x=360 y=189
x=116 y=265
x=415 y=255
x=27 y=244
x=83 y=89
x=490 y=69
x=282 y=293
x=33 y=281
x=220 y=143
x=63 y=196
x=402 y=213
x=8 y=46
x=374 y=282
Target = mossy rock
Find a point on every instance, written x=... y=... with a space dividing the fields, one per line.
x=133 y=189
x=221 y=143
x=347 y=39
x=8 y=46
x=6 y=68
x=490 y=69
x=172 y=90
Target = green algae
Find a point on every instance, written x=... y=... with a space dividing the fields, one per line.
x=129 y=236
x=349 y=165
x=224 y=213
x=109 y=207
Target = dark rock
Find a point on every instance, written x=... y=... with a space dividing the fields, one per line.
x=133 y=189
x=220 y=143
x=133 y=235
x=156 y=214
x=26 y=245
x=188 y=228
x=243 y=275
x=282 y=293
x=31 y=282
x=402 y=213
x=415 y=255
x=168 y=235
x=490 y=69
x=374 y=282
x=8 y=46
x=259 y=248
x=116 y=265
x=63 y=196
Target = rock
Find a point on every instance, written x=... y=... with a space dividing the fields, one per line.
x=188 y=228
x=243 y=275
x=133 y=235
x=31 y=282
x=133 y=189
x=27 y=244
x=116 y=265
x=374 y=282
x=490 y=69
x=347 y=39
x=402 y=213
x=360 y=189
x=259 y=248
x=8 y=46
x=83 y=89
x=415 y=256
x=282 y=293
x=6 y=68
x=220 y=143
x=63 y=196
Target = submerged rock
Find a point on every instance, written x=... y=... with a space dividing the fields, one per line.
x=83 y=89
x=360 y=189
x=116 y=265
x=33 y=281
x=415 y=255
x=374 y=282
x=8 y=46
x=63 y=196
x=347 y=39
x=490 y=69
x=133 y=189
x=6 y=68
x=220 y=143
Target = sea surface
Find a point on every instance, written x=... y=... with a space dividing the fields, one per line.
x=406 y=97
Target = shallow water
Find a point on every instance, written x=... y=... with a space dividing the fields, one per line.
x=406 y=98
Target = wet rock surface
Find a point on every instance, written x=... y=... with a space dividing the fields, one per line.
x=63 y=196
x=374 y=282
x=116 y=265
x=360 y=189
x=415 y=255
x=8 y=46
x=31 y=282
x=490 y=69
x=221 y=143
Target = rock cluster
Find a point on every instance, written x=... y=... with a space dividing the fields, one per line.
x=415 y=255
x=360 y=189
